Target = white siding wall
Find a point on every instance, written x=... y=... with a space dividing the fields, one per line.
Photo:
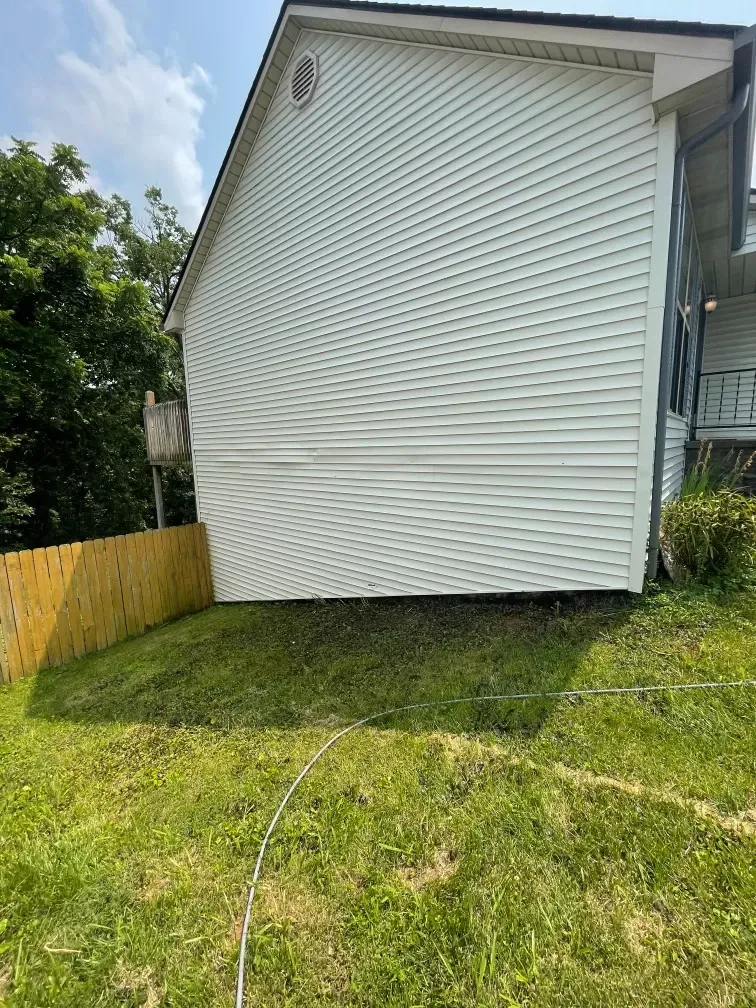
x=674 y=455
x=416 y=350
x=730 y=338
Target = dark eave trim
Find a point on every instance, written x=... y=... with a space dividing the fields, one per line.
x=697 y=28
x=744 y=72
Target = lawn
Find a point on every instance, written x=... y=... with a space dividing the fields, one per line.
x=563 y=853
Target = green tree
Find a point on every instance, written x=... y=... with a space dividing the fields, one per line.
x=152 y=250
x=79 y=344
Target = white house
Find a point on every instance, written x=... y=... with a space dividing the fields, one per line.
x=424 y=313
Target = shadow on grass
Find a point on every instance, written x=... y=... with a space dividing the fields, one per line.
x=296 y=664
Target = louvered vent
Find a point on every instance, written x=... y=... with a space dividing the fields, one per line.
x=304 y=77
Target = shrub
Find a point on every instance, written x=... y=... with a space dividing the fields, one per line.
x=711 y=535
x=706 y=476
x=710 y=530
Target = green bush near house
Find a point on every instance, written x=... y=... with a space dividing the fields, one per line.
x=709 y=531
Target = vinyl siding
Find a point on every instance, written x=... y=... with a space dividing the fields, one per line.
x=730 y=341
x=674 y=455
x=416 y=349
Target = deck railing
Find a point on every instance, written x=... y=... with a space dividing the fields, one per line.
x=166 y=428
x=727 y=399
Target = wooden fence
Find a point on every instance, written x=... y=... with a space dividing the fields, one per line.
x=62 y=602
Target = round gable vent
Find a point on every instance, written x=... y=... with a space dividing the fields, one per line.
x=304 y=77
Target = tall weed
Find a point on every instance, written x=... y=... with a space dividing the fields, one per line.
x=709 y=531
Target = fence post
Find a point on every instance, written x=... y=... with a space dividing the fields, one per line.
x=157 y=476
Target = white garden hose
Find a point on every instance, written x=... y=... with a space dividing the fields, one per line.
x=418 y=706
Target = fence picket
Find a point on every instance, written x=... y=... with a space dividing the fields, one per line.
x=191 y=568
x=29 y=579
x=201 y=580
x=66 y=601
x=144 y=580
x=171 y=544
x=71 y=594
x=21 y=613
x=122 y=552
x=170 y=582
x=180 y=556
x=93 y=577
x=13 y=665
x=4 y=663
x=188 y=553
x=85 y=597
x=59 y=606
x=155 y=576
x=106 y=604
x=114 y=584
x=46 y=608
x=170 y=566
x=135 y=582
x=157 y=546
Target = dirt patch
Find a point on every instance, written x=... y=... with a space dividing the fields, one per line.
x=641 y=930
x=154 y=889
x=140 y=983
x=441 y=867
x=303 y=915
x=237 y=926
x=5 y=976
x=740 y=823
x=296 y=904
x=459 y=747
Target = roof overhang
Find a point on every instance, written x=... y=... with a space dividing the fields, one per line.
x=689 y=63
x=719 y=176
x=744 y=72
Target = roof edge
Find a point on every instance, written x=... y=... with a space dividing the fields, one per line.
x=744 y=72
x=697 y=29
x=227 y=156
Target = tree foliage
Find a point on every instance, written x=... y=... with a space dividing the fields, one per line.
x=80 y=342
x=153 y=249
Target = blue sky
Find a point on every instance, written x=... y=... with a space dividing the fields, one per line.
x=150 y=90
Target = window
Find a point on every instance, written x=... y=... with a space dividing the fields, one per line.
x=688 y=318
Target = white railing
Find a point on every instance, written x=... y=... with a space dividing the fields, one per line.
x=727 y=399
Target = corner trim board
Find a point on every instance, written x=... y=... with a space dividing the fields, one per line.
x=665 y=163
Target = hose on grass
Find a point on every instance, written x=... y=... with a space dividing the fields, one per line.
x=606 y=691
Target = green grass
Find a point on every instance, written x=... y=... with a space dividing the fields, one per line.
x=570 y=853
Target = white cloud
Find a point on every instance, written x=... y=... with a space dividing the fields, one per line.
x=135 y=115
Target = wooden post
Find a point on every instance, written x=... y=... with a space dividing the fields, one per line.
x=157 y=475
x=157 y=483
